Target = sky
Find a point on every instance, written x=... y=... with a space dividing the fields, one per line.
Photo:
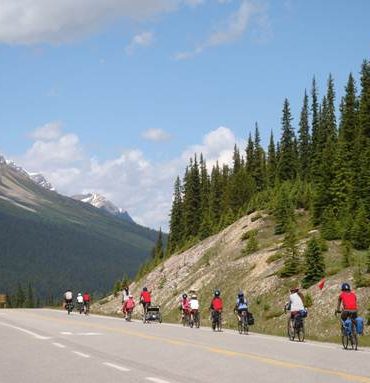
x=115 y=96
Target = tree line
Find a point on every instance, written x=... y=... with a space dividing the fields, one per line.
x=322 y=166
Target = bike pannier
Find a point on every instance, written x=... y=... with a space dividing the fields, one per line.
x=250 y=319
x=360 y=325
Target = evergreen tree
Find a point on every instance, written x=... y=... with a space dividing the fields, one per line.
x=205 y=229
x=284 y=210
x=30 y=302
x=216 y=196
x=271 y=162
x=287 y=166
x=362 y=185
x=304 y=142
x=176 y=218
x=158 y=252
x=250 y=155
x=315 y=265
x=360 y=232
x=20 y=298
x=345 y=162
x=346 y=251
x=259 y=161
x=192 y=211
x=330 y=228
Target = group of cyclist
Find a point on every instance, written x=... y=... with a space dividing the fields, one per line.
x=82 y=301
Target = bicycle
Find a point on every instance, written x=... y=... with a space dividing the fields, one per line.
x=86 y=308
x=194 y=319
x=243 y=322
x=185 y=318
x=216 y=320
x=348 y=332
x=69 y=307
x=129 y=314
x=296 y=328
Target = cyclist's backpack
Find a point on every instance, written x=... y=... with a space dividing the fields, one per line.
x=250 y=319
x=360 y=325
x=348 y=326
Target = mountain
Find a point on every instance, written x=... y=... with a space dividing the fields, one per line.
x=222 y=261
x=101 y=202
x=55 y=242
x=41 y=180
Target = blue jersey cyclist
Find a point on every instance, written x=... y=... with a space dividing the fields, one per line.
x=241 y=304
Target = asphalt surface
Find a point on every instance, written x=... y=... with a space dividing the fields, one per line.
x=50 y=346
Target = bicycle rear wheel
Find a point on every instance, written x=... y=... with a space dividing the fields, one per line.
x=291 y=330
x=345 y=339
x=301 y=334
x=354 y=338
x=240 y=327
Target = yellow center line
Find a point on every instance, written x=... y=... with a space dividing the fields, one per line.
x=221 y=351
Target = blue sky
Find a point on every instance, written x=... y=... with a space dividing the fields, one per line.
x=113 y=96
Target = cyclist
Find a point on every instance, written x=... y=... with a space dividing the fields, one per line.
x=241 y=305
x=86 y=299
x=145 y=299
x=295 y=304
x=185 y=306
x=80 y=301
x=348 y=300
x=216 y=307
x=125 y=295
x=128 y=306
x=68 y=297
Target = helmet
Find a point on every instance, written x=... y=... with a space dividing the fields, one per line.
x=217 y=293
x=79 y=294
x=294 y=289
x=240 y=294
x=184 y=296
x=145 y=289
x=346 y=287
x=194 y=296
x=130 y=296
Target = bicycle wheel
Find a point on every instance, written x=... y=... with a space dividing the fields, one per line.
x=353 y=337
x=345 y=338
x=240 y=327
x=300 y=333
x=197 y=320
x=291 y=330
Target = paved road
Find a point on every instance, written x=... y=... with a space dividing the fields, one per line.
x=50 y=346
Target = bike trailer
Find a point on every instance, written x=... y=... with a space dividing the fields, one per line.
x=153 y=314
x=250 y=319
x=360 y=325
x=303 y=313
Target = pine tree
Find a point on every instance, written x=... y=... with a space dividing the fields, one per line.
x=250 y=155
x=284 y=210
x=315 y=265
x=30 y=302
x=287 y=166
x=205 y=229
x=304 y=141
x=216 y=196
x=259 y=173
x=271 y=162
x=159 y=252
x=345 y=162
x=20 y=298
x=346 y=250
x=176 y=219
x=360 y=232
x=330 y=229
x=362 y=185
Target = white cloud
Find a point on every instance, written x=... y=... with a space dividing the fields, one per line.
x=230 y=31
x=56 y=21
x=143 y=39
x=155 y=135
x=48 y=132
x=130 y=180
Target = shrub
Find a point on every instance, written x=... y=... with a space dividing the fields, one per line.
x=274 y=257
x=308 y=301
x=248 y=234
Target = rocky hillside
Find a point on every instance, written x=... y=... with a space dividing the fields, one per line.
x=221 y=262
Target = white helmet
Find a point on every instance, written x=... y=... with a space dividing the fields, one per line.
x=79 y=294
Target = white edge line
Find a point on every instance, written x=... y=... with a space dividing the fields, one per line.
x=116 y=366
x=81 y=354
x=59 y=345
x=37 y=336
x=156 y=380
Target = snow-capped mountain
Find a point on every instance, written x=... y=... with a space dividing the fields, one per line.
x=35 y=177
x=102 y=202
x=41 y=180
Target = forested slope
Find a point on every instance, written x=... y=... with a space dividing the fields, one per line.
x=55 y=242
